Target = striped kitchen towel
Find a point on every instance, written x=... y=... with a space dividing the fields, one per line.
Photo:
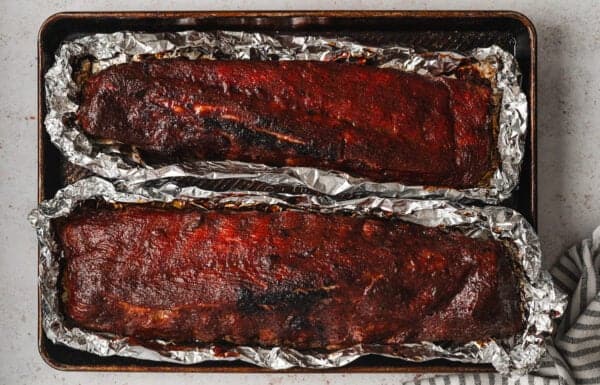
x=573 y=356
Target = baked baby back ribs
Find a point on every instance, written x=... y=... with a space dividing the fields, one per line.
x=382 y=124
x=297 y=279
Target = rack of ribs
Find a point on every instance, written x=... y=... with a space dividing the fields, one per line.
x=382 y=124
x=282 y=278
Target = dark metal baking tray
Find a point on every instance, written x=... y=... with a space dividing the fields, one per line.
x=433 y=30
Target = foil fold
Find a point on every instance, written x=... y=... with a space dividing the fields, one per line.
x=517 y=355
x=124 y=163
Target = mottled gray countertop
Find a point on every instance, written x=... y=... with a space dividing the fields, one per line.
x=569 y=160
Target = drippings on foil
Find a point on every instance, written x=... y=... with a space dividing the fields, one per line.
x=520 y=354
x=118 y=162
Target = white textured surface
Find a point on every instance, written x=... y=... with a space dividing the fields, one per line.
x=569 y=160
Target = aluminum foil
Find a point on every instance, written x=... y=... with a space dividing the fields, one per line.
x=123 y=162
x=519 y=354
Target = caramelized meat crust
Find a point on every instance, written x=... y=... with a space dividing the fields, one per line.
x=382 y=124
x=297 y=279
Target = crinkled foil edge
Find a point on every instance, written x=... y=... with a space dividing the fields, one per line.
x=115 y=163
x=518 y=355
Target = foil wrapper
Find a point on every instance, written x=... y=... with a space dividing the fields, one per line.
x=542 y=302
x=115 y=161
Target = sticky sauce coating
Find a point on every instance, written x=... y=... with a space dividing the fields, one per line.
x=296 y=279
x=382 y=124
